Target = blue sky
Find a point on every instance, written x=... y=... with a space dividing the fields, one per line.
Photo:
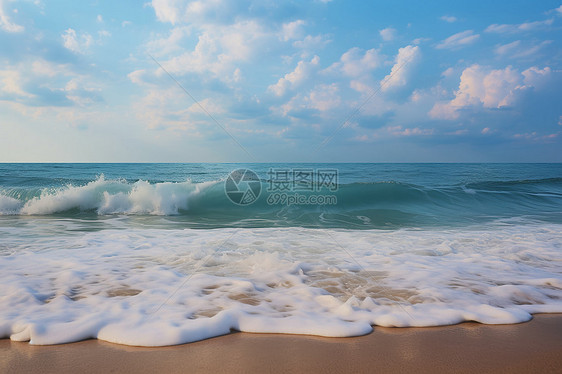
x=349 y=81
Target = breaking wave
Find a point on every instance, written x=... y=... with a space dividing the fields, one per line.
x=365 y=205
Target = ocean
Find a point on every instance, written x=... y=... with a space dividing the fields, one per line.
x=162 y=254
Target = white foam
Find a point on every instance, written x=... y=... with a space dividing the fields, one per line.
x=160 y=287
x=9 y=205
x=109 y=197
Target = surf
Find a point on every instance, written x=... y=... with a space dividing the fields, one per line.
x=381 y=204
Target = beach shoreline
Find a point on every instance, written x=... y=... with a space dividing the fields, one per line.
x=534 y=346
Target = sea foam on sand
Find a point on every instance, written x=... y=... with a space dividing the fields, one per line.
x=153 y=287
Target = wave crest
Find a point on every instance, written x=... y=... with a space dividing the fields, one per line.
x=107 y=197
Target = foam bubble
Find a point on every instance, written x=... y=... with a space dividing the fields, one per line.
x=165 y=286
x=107 y=197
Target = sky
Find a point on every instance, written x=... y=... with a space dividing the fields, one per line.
x=280 y=81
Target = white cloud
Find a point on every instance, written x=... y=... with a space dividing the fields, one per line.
x=59 y=87
x=516 y=49
x=230 y=35
x=418 y=41
x=312 y=43
x=387 y=34
x=6 y=23
x=360 y=86
x=458 y=40
x=447 y=73
x=449 y=19
x=356 y=63
x=513 y=28
x=220 y=49
x=493 y=89
x=507 y=48
x=159 y=110
x=202 y=12
x=324 y=97
x=529 y=26
x=210 y=106
x=292 y=30
x=489 y=88
x=443 y=110
x=126 y=23
x=165 y=109
x=48 y=69
x=536 y=77
x=169 y=10
x=137 y=76
x=81 y=92
x=535 y=137
x=76 y=43
x=406 y=58
x=99 y=18
x=11 y=83
x=399 y=131
x=171 y=43
x=290 y=80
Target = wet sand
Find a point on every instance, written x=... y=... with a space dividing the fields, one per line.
x=535 y=346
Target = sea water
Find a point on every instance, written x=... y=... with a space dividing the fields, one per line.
x=160 y=254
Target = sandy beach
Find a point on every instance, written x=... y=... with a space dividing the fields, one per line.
x=535 y=346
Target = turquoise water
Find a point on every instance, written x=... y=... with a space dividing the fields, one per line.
x=159 y=254
x=368 y=195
